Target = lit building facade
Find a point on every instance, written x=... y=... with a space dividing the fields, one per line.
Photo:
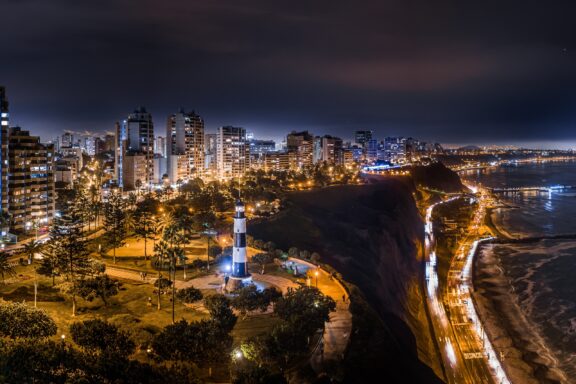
x=31 y=195
x=185 y=136
x=233 y=152
x=302 y=143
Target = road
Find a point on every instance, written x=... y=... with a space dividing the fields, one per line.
x=467 y=354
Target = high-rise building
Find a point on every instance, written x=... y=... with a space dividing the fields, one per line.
x=303 y=144
x=210 y=154
x=395 y=149
x=185 y=136
x=372 y=150
x=90 y=145
x=31 y=195
x=27 y=176
x=160 y=146
x=233 y=152
x=328 y=149
x=66 y=140
x=135 y=137
x=362 y=137
x=109 y=143
x=4 y=124
x=120 y=139
x=140 y=132
x=260 y=147
x=135 y=171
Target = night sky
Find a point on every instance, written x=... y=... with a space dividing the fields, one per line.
x=452 y=71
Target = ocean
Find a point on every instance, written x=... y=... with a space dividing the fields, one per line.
x=538 y=277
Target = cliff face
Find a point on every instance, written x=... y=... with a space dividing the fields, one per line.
x=437 y=176
x=372 y=234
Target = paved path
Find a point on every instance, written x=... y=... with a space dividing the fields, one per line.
x=337 y=330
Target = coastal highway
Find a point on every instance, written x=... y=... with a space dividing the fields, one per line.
x=467 y=354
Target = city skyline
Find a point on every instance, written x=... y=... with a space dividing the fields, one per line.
x=483 y=74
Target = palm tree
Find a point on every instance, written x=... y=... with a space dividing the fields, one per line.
x=31 y=248
x=6 y=267
x=162 y=252
x=181 y=256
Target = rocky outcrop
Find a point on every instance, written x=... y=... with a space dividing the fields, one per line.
x=372 y=234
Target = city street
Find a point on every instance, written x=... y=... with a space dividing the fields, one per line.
x=467 y=355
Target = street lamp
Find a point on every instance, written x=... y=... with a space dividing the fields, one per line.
x=316 y=274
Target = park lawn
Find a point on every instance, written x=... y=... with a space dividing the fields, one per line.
x=255 y=324
x=128 y=309
x=276 y=270
x=134 y=249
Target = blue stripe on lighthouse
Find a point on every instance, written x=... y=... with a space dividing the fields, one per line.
x=239 y=270
x=240 y=240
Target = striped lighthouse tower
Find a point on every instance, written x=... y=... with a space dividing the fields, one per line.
x=239 y=255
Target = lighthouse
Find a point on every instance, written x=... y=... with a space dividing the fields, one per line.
x=239 y=255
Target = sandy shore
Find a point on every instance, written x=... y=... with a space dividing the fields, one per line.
x=526 y=357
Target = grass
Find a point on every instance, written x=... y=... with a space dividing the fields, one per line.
x=128 y=309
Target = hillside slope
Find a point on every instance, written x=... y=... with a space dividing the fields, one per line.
x=372 y=234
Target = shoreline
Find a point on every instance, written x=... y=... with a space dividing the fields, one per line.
x=527 y=358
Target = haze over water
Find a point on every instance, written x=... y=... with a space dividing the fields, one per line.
x=540 y=274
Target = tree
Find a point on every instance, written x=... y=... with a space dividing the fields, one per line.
x=189 y=295
x=114 y=221
x=102 y=337
x=305 y=307
x=144 y=229
x=272 y=295
x=48 y=266
x=6 y=267
x=42 y=362
x=31 y=248
x=293 y=252
x=248 y=299
x=315 y=257
x=214 y=250
x=21 y=321
x=201 y=341
x=258 y=375
x=262 y=259
x=100 y=286
x=219 y=308
x=162 y=253
x=138 y=185
x=68 y=248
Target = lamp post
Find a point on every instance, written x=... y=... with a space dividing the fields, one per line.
x=316 y=274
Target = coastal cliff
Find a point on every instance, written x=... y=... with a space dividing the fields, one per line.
x=372 y=234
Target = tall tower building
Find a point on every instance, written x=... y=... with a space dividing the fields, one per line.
x=160 y=146
x=239 y=255
x=140 y=132
x=120 y=139
x=362 y=137
x=210 y=153
x=27 y=176
x=4 y=123
x=233 y=152
x=302 y=143
x=66 y=140
x=135 y=137
x=31 y=194
x=185 y=136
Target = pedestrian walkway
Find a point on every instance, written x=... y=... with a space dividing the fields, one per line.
x=337 y=330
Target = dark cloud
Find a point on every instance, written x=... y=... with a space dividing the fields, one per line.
x=449 y=71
